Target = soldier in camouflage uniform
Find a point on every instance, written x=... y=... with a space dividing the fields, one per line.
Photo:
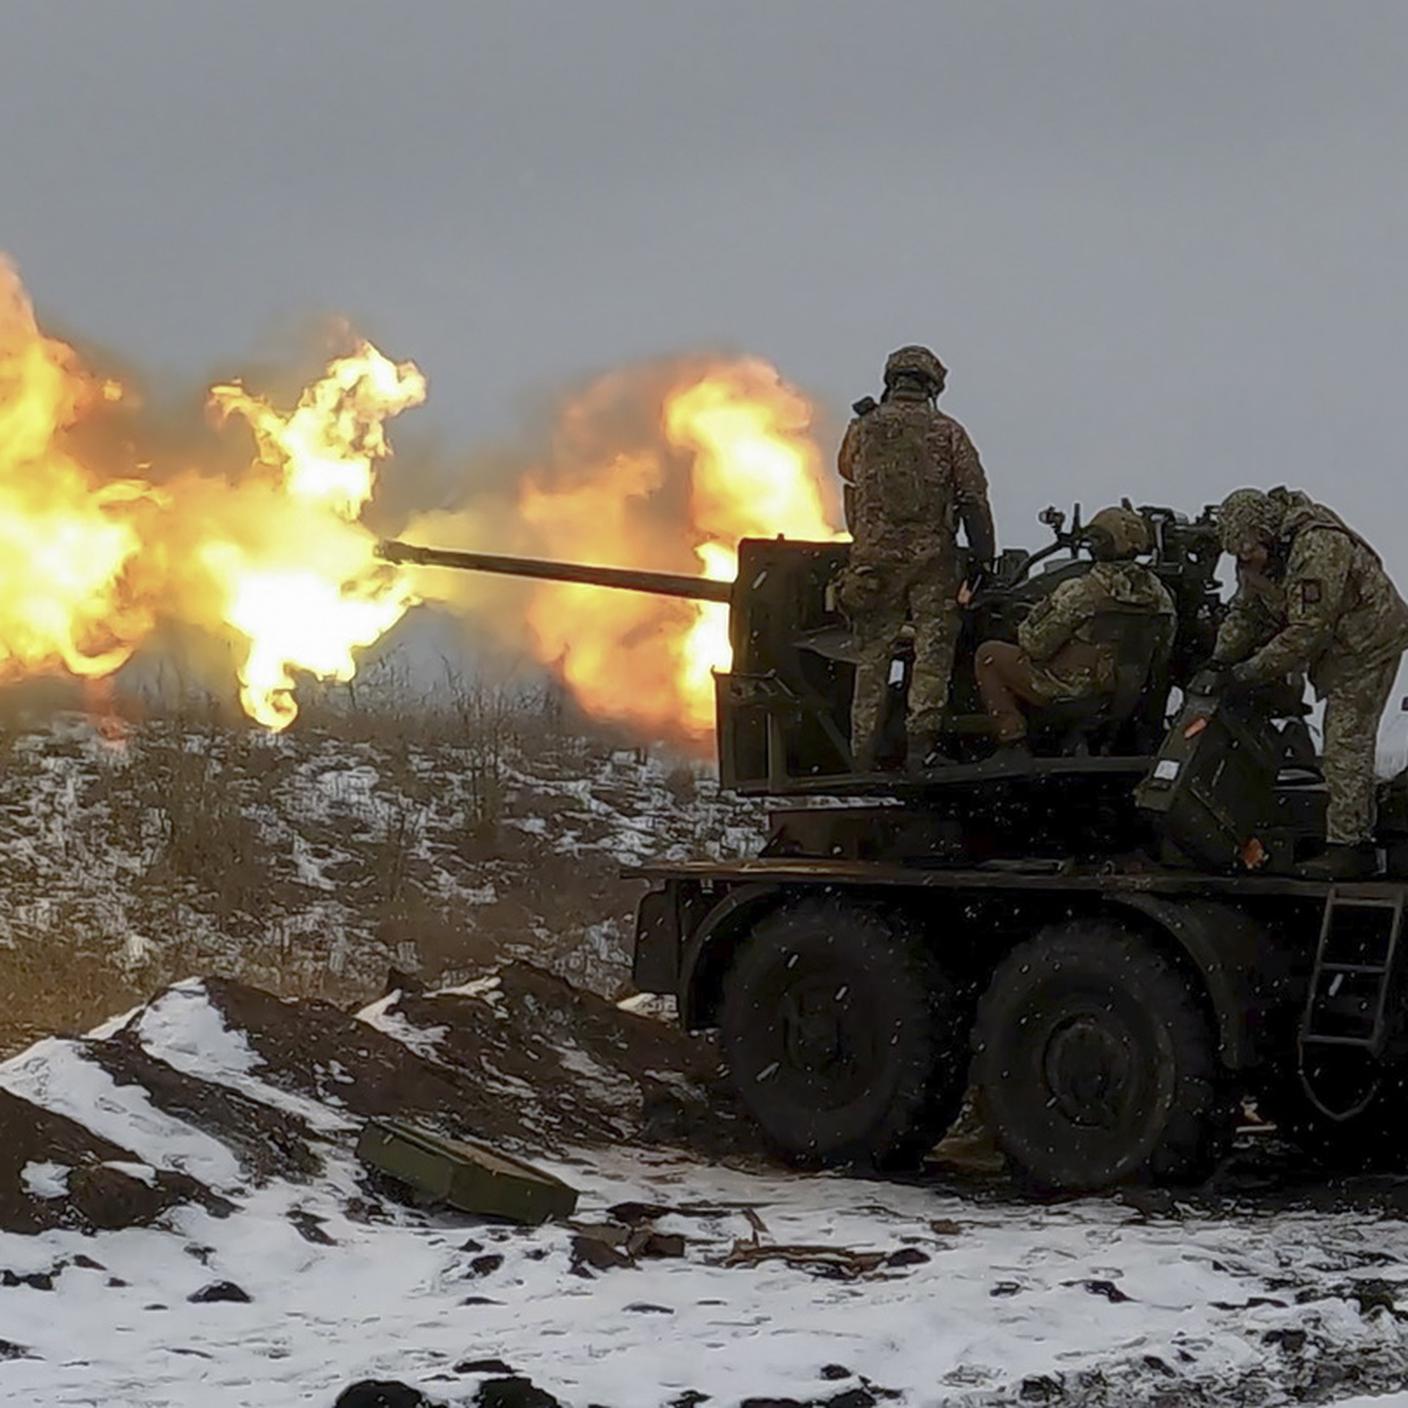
x=1313 y=597
x=1058 y=656
x=911 y=477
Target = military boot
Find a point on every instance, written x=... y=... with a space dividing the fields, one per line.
x=923 y=753
x=1342 y=861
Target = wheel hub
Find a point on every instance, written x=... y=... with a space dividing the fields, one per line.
x=813 y=1035
x=1087 y=1068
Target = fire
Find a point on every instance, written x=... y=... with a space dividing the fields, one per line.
x=756 y=473
x=663 y=467
x=305 y=588
x=70 y=598
x=657 y=467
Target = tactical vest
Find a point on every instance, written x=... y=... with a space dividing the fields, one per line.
x=904 y=490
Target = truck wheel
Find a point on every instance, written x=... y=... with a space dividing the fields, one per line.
x=846 y=1042
x=1096 y=1063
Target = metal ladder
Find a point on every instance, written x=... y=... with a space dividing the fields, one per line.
x=1346 y=1007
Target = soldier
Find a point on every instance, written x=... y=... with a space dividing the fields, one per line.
x=1058 y=656
x=1313 y=597
x=912 y=476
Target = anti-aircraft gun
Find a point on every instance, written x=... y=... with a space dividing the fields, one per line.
x=1108 y=940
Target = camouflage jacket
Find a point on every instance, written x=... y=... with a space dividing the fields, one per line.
x=1057 y=633
x=912 y=475
x=1328 y=608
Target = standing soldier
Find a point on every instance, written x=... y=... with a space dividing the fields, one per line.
x=911 y=476
x=1059 y=655
x=1313 y=597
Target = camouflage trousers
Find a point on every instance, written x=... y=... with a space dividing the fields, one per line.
x=924 y=595
x=1010 y=683
x=1353 y=708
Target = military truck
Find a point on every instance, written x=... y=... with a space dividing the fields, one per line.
x=1108 y=942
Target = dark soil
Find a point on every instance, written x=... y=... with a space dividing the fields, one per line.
x=98 y=1196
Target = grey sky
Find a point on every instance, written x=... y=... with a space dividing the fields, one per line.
x=1161 y=246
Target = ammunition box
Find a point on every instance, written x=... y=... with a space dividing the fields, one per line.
x=1212 y=787
x=469 y=1177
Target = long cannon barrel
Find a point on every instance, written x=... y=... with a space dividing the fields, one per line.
x=628 y=579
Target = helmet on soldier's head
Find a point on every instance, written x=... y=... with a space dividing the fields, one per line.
x=1116 y=533
x=915 y=361
x=1248 y=516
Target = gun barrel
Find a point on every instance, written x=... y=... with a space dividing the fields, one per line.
x=620 y=578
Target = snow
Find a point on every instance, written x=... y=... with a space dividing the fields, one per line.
x=1007 y=1294
x=188 y=1033
x=424 y=1041
x=45 y=1180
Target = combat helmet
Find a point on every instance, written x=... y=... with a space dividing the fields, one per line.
x=1248 y=515
x=915 y=361
x=1117 y=533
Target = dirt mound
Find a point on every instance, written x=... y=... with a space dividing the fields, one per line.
x=521 y=1057
x=56 y=1173
x=269 y=1143
x=224 y=1088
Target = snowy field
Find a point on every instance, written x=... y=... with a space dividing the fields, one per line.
x=188 y=1226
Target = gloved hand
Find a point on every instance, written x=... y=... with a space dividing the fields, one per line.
x=1212 y=678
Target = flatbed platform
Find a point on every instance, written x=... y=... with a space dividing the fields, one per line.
x=950 y=775
x=1011 y=875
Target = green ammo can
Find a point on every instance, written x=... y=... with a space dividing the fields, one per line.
x=467 y=1176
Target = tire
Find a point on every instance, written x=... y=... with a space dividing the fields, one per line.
x=846 y=1042
x=1096 y=1063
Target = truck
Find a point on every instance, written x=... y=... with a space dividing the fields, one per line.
x=1108 y=944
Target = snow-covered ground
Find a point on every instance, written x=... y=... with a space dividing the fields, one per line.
x=276 y=1273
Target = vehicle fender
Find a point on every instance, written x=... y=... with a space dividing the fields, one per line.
x=709 y=948
x=1237 y=962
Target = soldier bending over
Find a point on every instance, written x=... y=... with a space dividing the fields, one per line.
x=912 y=475
x=1057 y=656
x=1312 y=596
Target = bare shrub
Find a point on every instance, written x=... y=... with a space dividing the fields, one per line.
x=682 y=784
x=204 y=836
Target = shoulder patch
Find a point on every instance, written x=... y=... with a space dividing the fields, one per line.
x=1311 y=592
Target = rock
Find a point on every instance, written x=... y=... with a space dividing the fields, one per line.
x=381 y=1393
x=907 y=1256
x=218 y=1291
x=644 y=1307
x=513 y=1392
x=10 y=1350
x=592 y=1254
x=35 y=1280
x=1107 y=1289
x=835 y=1371
x=485 y=1265
x=482 y=1366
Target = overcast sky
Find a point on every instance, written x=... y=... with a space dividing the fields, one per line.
x=1160 y=246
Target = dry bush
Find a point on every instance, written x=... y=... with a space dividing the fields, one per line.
x=206 y=838
x=53 y=985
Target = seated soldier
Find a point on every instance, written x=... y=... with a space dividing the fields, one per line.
x=1059 y=657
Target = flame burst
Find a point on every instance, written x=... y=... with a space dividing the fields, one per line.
x=306 y=588
x=663 y=467
x=70 y=598
x=756 y=473
x=660 y=468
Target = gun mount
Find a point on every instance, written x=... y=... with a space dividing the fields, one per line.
x=783 y=708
